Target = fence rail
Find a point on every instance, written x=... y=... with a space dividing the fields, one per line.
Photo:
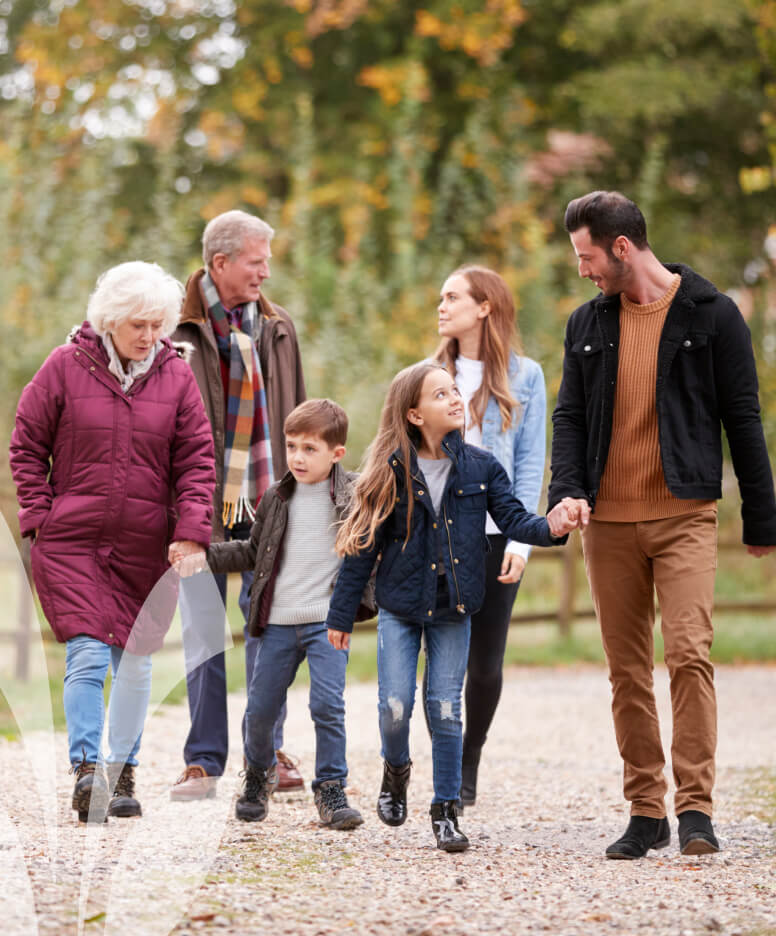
x=564 y=615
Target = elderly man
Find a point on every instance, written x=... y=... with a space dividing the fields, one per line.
x=655 y=365
x=247 y=364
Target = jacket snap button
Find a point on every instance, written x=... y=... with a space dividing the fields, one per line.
x=269 y=549
x=588 y=348
x=430 y=613
x=111 y=636
x=450 y=522
x=482 y=487
x=433 y=565
x=455 y=561
x=92 y=367
x=687 y=342
x=261 y=575
x=435 y=526
x=394 y=462
x=460 y=491
x=420 y=493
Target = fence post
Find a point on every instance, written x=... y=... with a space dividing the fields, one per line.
x=25 y=614
x=568 y=587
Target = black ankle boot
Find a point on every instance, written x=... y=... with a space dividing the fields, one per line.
x=470 y=763
x=642 y=833
x=121 y=780
x=444 y=822
x=392 y=801
x=90 y=793
x=696 y=834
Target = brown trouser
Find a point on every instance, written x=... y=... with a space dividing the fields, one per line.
x=625 y=562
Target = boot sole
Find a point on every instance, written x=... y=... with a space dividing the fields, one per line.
x=621 y=856
x=699 y=846
x=123 y=812
x=454 y=847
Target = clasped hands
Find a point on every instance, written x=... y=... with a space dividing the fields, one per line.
x=187 y=558
x=567 y=515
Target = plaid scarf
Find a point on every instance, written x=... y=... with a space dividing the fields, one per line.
x=247 y=448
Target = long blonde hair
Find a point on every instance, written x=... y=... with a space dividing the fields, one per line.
x=374 y=494
x=499 y=336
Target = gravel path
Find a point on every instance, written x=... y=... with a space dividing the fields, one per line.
x=550 y=802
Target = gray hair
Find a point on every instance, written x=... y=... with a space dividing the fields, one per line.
x=228 y=232
x=138 y=289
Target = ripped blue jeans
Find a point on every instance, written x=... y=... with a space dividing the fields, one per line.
x=447 y=646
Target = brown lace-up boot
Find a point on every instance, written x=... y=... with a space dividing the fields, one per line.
x=90 y=793
x=123 y=804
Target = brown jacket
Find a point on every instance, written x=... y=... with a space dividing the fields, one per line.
x=263 y=551
x=281 y=367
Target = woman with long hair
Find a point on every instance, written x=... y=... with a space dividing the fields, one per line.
x=420 y=504
x=505 y=403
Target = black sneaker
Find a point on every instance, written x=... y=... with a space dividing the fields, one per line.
x=258 y=784
x=643 y=833
x=696 y=834
x=333 y=806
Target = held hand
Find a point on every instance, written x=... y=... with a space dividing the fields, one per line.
x=760 y=551
x=182 y=550
x=578 y=508
x=339 y=639
x=562 y=519
x=512 y=568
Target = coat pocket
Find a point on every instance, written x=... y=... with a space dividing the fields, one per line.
x=471 y=496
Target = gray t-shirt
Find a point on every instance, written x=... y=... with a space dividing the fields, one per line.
x=435 y=471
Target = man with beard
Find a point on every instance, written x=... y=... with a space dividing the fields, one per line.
x=654 y=365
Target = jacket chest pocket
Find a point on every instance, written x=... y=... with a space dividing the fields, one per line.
x=588 y=352
x=471 y=496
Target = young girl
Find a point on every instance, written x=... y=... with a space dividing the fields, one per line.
x=505 y=402
x=420 y=505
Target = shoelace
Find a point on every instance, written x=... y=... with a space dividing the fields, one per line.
x=333 y=797
x=255 y=783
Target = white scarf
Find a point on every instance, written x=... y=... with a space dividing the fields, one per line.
x=134 y=369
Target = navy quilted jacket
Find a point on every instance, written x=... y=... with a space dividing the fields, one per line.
x=407 y=576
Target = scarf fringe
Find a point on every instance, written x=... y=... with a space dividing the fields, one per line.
x=238 y=513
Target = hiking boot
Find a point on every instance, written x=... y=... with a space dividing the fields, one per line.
x=696 y=834
x=258 y=784
x=470 y=763
x=194 y=784
x=333 y=806
x=642 y=833
x=90 y=793
x=121 y=780
x=289 y=777
x=392 y=801
x=444 y=822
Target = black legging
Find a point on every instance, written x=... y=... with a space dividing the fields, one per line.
x=484 y=673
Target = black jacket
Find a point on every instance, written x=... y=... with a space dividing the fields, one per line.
x=262 y=552
x=407 y=576
x=706 y=379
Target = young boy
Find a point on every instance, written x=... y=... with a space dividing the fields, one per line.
x=291 y=550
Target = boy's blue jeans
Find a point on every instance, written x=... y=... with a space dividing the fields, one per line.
x=281 y=649
x=86 y=666
x=447 y=646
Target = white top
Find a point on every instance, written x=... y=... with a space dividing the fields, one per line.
x=468 y=378
x=309 y=563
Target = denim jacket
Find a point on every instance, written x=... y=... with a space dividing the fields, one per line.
x=521 y=449
x=407 y=576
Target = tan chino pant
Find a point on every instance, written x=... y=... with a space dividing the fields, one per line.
x=625 y=563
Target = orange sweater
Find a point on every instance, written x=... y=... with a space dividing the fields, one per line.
x=633 y=487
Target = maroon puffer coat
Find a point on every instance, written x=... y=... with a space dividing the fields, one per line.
x=129 y=473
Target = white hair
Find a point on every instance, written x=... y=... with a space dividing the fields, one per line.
x=228 y=232
x=137 y=289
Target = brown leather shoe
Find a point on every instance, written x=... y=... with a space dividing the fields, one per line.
x=289 y=777
x=194 y=784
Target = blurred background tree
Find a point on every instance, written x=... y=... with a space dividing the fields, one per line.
x=387 y=141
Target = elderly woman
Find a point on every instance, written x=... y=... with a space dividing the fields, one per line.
x=112 y=456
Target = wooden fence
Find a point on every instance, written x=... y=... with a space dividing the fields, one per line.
x=574 y=601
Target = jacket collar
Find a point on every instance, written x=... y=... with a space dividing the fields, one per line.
x=338 y=484
x=452 y=444
x=84 y=336
x=194 y=309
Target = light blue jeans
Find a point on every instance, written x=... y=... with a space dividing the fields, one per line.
x=447 y=647
x=86 y=666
